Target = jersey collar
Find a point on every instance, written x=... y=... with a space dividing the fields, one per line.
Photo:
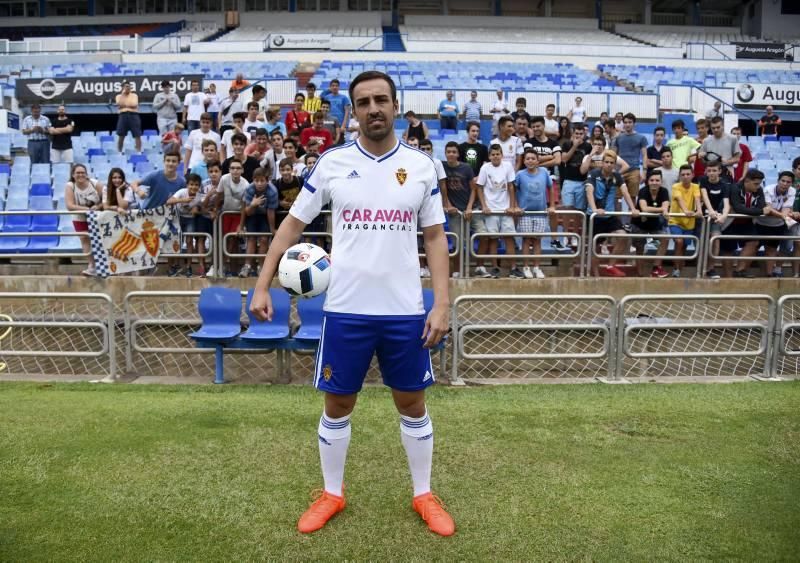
x=372 y=156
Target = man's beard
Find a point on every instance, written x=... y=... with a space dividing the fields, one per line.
x=377 y=134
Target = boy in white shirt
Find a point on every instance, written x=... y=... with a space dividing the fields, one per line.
x=497 y=196
x=194 y=143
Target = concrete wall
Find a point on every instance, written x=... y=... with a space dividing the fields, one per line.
x=502 y=21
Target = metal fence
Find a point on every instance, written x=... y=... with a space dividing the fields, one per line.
x=786 y=346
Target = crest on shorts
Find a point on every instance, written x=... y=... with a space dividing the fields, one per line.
x=327 y=372
x=150 y=238
x=401 y=175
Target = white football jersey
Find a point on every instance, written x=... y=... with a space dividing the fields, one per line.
x=377 y=206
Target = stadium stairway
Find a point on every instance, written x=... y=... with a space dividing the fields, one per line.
x=216 y=35
x=392 y=41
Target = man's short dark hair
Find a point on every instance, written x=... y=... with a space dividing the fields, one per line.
x=261 y=132
x=473 y=124
x=630 y=116
x=176 y=154
x=659 y=128
x=451 y=145
x=666 y=150
x=252 y=105
x=678 y=123
x=372 y=75
x=35 y=106
x=213 y=164
x=311 y=85
x=505 y=119
x=495 y=147
x=522 y=101
x=788 y=173
x=655 y=173
x=194 y=179
x=537 y=119
x=550 y=106
x=334 y=81
x=411 y=138
x=425 y=143
x=205 y=117
x=258 y=88
x=276 y=132
x=754 y=174
x=239 y=138
x=300 y=95
x=685 y=167
x=241 y=115
x=796 y=162
x=716 y=119
x=714 y=164
x=290 y=141
x=325 y=102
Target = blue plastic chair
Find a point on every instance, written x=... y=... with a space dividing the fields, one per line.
x=41 y=244
x=278 y=328
x=310 y=313
x=220 y=309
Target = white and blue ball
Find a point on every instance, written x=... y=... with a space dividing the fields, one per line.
x=305 y=270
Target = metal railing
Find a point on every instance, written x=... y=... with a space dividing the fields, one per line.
x=786 y=343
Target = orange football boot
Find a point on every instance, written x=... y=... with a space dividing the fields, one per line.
x=325 y=507
x=431 y=508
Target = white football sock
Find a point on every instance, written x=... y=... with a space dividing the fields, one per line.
x=334 y=438
x=417 y=437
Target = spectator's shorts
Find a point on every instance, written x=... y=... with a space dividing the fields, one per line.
x=532 y=224
x=499 y=224
x=203 y=225
x=230 y=223
x=573 y=194
x=739 y=229
x=188 y=224
x=676 y=230
x=606 y=225
x=81 y=226
x=348 y=343
x=633 y=178
x=257 y=224
x=129 y=122
x=767 y=231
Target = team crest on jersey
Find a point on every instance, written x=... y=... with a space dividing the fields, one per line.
x=327 y=372
x=401 y=175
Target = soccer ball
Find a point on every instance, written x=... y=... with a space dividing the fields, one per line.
x=305 y=270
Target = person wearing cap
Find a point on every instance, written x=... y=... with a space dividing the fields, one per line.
x=166 y=104
x=313 y=104
x=129 y=120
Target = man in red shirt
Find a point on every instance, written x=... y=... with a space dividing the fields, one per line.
x=318 y=132
x=296 y=117
x=741 y=167
x=699 y=165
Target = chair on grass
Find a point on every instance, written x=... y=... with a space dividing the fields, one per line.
x=220 y=309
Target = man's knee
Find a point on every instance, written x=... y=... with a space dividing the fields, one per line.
x=409 y=403
x=337 y=406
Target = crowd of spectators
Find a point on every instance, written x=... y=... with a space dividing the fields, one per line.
x=538 y=174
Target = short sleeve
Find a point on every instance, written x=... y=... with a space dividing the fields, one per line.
x=188 y=144
x=510 y=177
x=314 y=194
x=272 y=197
x=520 y=148
x=431 y=212
x=548 y=181
x=481 y=181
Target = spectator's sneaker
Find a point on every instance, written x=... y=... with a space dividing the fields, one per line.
x=538 y=273
x=573 y=242
x=325 y=507
x=495 y=273
x=245 y=271
x=201 y=272
x=743 y=274
x=432 y=510
x=557 y=245
x=658 y=272
x=90 y=272
x=174 y=271
x=481 y=272
x=614 y=272
x=796 y=275
x=526 y=271
x=210 y=273
x=777 y=273
x=455 y=275
x=424 y=272
x=676 y=273
x=712 y=274
x=517 y=274
x=188 y=272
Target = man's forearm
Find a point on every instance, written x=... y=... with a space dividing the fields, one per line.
x=290 y=230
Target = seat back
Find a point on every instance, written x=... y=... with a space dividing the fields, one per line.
x=281 y=307
x=310 y=311
x=220 y=306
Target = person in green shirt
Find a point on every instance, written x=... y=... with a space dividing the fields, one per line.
x=684 y=148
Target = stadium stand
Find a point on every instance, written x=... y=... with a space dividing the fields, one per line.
x=650 y=77
x=678 y=38
x=248 y=33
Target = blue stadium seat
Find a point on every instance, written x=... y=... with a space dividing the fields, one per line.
x=278 y=328
x=95 y=152
x=310 y=313
x=40 y=189
x=137 y=158
x=41 y=203
x=13 y=244
x=41 y=244
x=220 y=309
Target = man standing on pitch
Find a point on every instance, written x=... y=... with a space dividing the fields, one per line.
x=381 y=192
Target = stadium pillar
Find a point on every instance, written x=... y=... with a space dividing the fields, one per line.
x=648 y=12
x=445 y=8
x=292 y=6
x=498 y=8
x=548 y=8
x=694 y=12
x=598 y=13
x=43 y=8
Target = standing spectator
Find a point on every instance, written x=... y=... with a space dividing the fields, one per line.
x=683 y=147
x=669 y=172
x=193 y=107
x=521 y=104
x=521 y=129
x=770 y=123
x=83 y=194
x=747 y=198
x=239 y=83
x=249 y=163
x=472 y=108
x=610 y=132
x=601 y=194
x=573 y=193
x=273 y=123
x=297 y=117
x=716 y=194
x=741 y=167
x=287 y=186
x=259 y=148
x=225 y=148
x=194 y=143
x=779 y=199
x=549 y=150
x=61 y=134
x=508 y=142
x=603 y=120
x=448 y=112
x=578 y=112
x=259 y=203
x=497 y=195
x=564 y=130
x=654 y=151
x=312 y=103
x=204 y=221
x=161 y=184
x=228 y=107
x=472 y=151
x=794 y=222
x=212 y=104
x=340 y=106
x=619 y=121
x=231 y=187
x=456 y=194
x=128 y=120
x=594 y=160
x=652 y=198
x=632 y=148
x=685 y=202
x=533 y=184
x=716 y=111
x=187 y=203
x=499 y=109
x=722 y=146
x=416 y=127
x=290 y=152
x=166 y=105
x=253 y=123
x=331 y=122
x=699 y=163
x=317 y=132
x=210 y=154
x=260 y=98
x=551 y=126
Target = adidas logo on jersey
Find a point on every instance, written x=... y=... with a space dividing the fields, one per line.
x=353 y=175
x=427 y=376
